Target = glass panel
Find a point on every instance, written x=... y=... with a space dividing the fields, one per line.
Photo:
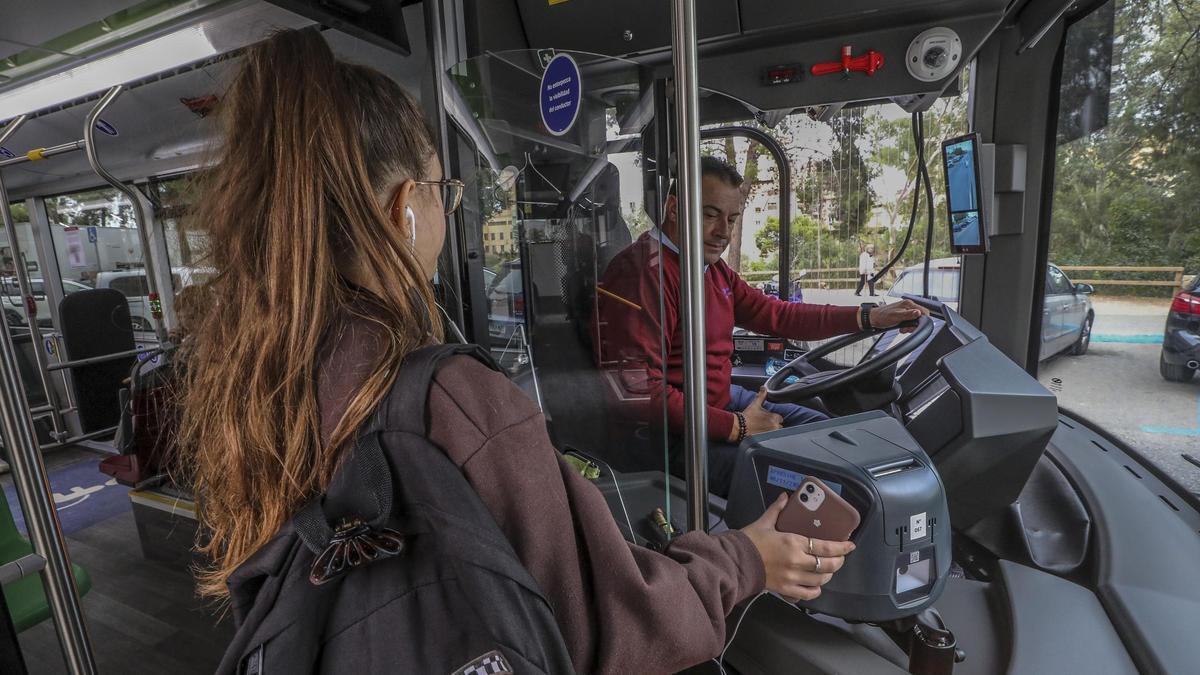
x=97 y=245
x=853 y=181
x=14 y=307
x=1123 y=221
x=573 y=312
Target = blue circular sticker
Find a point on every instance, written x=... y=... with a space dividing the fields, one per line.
x=560 y=94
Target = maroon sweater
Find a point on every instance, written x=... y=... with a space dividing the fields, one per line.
x=630 y=325
x=621 y=608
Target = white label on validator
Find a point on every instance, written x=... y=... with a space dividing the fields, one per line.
x=916 y=526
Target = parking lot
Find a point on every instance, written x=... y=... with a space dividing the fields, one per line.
x=1117 y=384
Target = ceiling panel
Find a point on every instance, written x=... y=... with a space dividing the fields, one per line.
x=156 y=133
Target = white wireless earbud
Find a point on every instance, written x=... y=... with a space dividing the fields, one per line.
x=412 y=225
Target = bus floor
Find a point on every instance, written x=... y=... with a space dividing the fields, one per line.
x=142 y=615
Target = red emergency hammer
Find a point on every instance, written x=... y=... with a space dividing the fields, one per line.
x=867 y=63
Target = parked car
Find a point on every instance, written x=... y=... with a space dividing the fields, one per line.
x=133 y=285
x=1067 y=313
x=506 y=303
x=1180 y=356
x=14 y=308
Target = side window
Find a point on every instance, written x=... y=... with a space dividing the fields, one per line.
x=95 y=240
x=944 y=284
x=906 y=284
x=130 y=287
x=1126 y=220
x=1056 y=281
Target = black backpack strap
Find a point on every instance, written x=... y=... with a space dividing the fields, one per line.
x=363 y=484
x=405 y=407
x=372 y=496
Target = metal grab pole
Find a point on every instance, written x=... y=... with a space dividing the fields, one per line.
x=435 y=19
x=41 y=517
x=45 y=153
x=22 y=274
x=139 y=210
x=687 y=151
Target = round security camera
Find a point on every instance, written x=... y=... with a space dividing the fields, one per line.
x=934 y=54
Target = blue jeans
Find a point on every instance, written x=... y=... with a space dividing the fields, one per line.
x=722 y=457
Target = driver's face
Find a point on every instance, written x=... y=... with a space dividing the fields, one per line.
x=720 y=207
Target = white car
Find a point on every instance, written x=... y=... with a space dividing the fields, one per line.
x=1067 y=313
x=14 y=309
x=133 y=285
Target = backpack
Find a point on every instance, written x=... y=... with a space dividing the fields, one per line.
x=398 y=568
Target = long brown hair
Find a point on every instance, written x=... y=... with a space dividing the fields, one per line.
x=307 y=149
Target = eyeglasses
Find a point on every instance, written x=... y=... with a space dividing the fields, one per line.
x=452 y=192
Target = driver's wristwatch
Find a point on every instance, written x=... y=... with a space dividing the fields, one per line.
x=864 y=314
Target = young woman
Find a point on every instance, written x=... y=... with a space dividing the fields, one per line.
x=326 y=211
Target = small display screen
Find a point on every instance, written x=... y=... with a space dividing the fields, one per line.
x=960 y=156
x=790 y=480
x=913 y=577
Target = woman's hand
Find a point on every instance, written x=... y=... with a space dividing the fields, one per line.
x=791 y=569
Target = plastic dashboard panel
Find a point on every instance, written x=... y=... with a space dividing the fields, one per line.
x=1014 y=626
x=1146 y=551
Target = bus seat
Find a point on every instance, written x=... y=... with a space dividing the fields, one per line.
x=144 y=436
x=95 y=323
x=26 y=599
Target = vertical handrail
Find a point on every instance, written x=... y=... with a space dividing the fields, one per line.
x=435 y=38
x=21 y=270
x=37 y=500
x=687 y=151
x=139 y=209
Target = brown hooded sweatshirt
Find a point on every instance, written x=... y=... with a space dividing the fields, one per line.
x=621 y=608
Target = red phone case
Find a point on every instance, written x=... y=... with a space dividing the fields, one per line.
x=834 y=520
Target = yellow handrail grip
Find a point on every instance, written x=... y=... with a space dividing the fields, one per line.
x=618 y=298
x=36 y=154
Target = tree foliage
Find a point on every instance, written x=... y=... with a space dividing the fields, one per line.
x=1127 y=182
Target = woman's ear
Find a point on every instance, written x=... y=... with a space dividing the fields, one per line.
x=401 y=206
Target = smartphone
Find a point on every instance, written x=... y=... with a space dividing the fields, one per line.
x=818 y=512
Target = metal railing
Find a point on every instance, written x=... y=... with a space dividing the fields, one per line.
x=831 y=277
x=1176 y=274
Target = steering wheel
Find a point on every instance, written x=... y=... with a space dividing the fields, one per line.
x=820 y=383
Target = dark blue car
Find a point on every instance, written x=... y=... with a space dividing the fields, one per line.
x=1181 y=338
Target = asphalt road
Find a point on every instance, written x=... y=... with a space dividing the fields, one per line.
x=1116 y=384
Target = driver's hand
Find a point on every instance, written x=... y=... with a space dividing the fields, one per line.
x=759 y=419
x=791 y=569
x=889 y=316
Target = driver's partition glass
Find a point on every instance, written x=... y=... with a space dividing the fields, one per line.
x=582 y=297
x=853 y=178
x=1119 y=341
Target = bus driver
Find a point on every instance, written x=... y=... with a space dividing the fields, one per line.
x=630 y=325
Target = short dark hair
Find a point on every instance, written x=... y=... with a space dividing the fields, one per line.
x=718 y=168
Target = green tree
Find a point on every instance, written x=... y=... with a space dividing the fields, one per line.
x=835 y=187
x=1127 y=171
